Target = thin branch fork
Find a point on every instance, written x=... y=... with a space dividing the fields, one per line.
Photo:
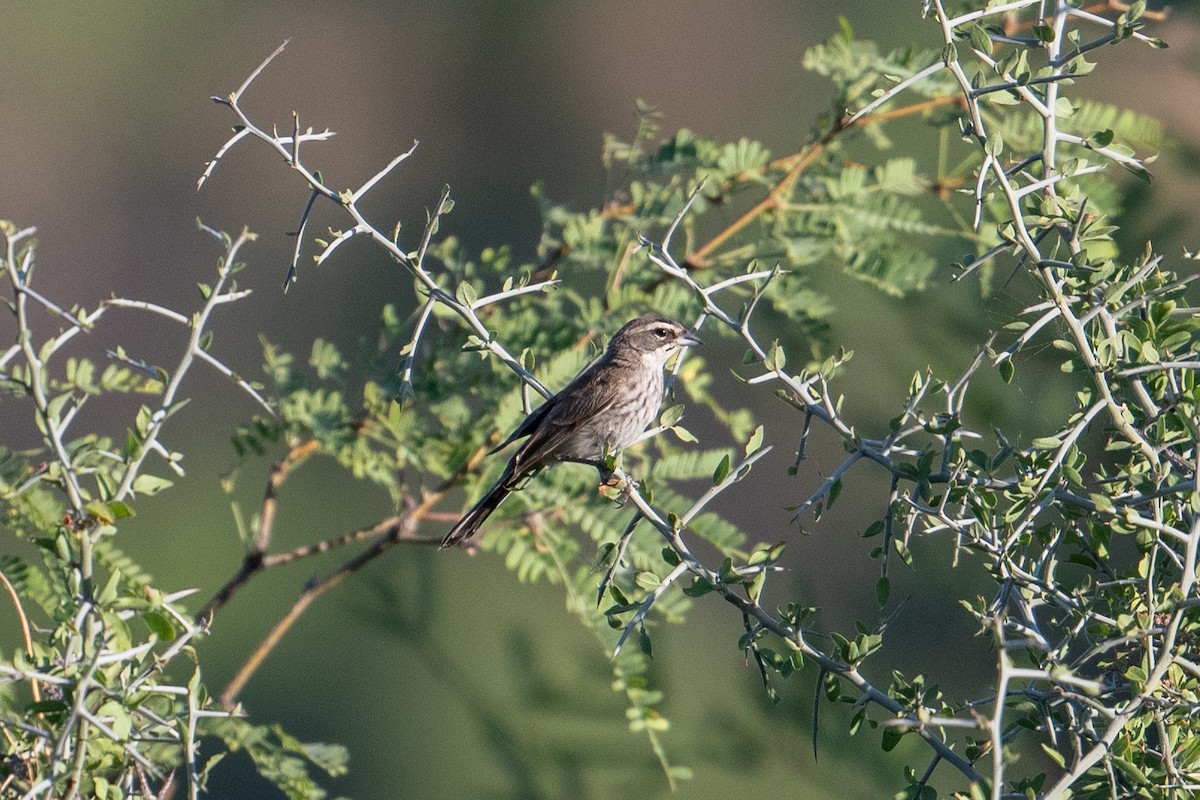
x=253 y=562
x=391 y=532
x=388 y=532
x=348 y=200
x=191 y=353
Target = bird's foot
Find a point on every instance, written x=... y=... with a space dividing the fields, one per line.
x=617 y=487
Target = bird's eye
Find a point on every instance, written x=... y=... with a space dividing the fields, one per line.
x=661 y=333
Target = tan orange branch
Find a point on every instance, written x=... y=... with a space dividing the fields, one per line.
x=252 y=562
x=390 y=531
x=393 y=531
x=795 y=164
x=16 y=599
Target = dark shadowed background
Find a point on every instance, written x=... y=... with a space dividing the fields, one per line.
x=491 y=689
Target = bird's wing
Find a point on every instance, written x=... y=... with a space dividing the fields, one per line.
x=582 y=399
x=530 y=424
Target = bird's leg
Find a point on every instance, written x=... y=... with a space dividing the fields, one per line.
x=618 y=489
x=615 y=485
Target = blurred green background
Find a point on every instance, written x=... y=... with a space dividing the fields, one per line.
x=444 y=676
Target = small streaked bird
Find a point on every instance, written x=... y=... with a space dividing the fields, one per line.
x=604 y=409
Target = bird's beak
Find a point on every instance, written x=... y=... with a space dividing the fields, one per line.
x=689 y=339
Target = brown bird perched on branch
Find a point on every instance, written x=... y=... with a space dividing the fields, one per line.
x=604 y=409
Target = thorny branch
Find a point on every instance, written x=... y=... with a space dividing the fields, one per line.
x=97 y=671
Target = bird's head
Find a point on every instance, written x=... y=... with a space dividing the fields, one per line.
x=653 y=337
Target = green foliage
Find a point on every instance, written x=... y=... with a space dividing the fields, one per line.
x=281 y=758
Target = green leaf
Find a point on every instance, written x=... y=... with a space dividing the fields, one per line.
x=683 y=434
x=755 y=442
x=647 y=580
x=160 y=625
x=776 y=359
x=1055 y=756
x=100 y=511
x=120 y=509
x=644 y=641
x=1044 y=33
x=834 y=491
x=55 y=406
x=111 y=590
x=671 y=415
x=722 y=470
x=980 y=40
x=150 y=484
x=727 y=574
x=874 y=529
x=466 y=294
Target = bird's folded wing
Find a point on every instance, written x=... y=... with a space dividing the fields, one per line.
x=582 y=401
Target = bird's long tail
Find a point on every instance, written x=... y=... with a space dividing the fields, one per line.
x=465 y=528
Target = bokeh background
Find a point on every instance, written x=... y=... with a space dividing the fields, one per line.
x=442 y=674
